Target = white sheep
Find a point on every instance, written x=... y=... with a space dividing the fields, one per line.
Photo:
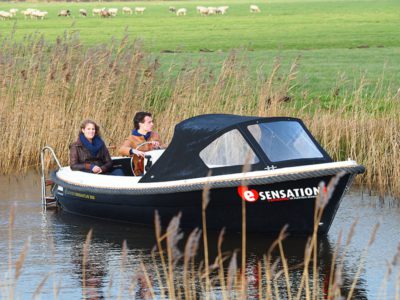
x=181 y=12
x=254 y=9
x=5 y=15
x=113 y=11
x=96 y=11
x=64 y=13
x=212 y=10
x=200 y=8
x=222 y=10
x=203 y=11
x=127 y=10
x=139 y=10
x=13 y=11
x=28 y=12
x=83 y=12
x=39 y=14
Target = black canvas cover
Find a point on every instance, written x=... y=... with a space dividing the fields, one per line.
x=181 y=159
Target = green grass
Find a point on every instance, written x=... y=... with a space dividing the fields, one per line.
x=334 y=37
x=281 y=24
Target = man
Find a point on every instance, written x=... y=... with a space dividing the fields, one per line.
x=141 y=134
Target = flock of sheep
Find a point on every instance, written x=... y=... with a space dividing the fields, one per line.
x=112 y=12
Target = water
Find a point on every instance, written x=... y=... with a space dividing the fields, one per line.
x=53 y=264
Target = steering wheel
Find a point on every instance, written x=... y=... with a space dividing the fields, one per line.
x=137 y=162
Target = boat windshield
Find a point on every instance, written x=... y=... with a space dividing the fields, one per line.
x=230 y=149
x=284 y=140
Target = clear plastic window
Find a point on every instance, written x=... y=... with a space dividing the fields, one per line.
x=284 y=140
x=230 y=149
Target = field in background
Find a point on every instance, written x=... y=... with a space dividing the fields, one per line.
x=339 y=42
x=47 y=90
x=336 y=66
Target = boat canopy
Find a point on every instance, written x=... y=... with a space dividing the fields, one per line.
x=224 y=144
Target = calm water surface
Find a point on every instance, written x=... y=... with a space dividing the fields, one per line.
x=56 y=240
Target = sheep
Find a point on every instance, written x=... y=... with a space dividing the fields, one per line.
x=212 y=10
x=83 y=12
x=64 y=13
x=113 y=11
x=139 y=10
x=127 y=10
x=13 y=11
x=222 y=10
x=254 y=9
x=203 y=11
x=28 y=12
x=97 y=11
x=172 y=9
x=201 y=8
x=105 y=13
x=39 y=14
x=181 y=12
x=5 y=15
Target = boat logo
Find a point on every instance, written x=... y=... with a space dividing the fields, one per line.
x=251 y=195
x=248 y=195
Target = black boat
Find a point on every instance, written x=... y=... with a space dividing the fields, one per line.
x=274 y=164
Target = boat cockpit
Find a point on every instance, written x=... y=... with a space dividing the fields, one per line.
x=224 y=148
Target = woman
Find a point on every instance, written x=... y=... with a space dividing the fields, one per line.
x=89 y=153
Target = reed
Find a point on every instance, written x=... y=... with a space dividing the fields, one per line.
x=277 y=279
x=47 y=89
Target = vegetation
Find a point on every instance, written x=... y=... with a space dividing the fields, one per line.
x=337 y=40
x=47 y=89
x=188 y=270
x=347 y=96
x=334 y=64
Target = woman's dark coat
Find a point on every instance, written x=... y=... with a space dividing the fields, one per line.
x=81 y=159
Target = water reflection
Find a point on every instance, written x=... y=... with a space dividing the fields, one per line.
x=105 y=254
x=57 y=241
x=103 y=262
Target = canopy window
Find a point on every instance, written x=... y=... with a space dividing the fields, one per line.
x=284 y=140
x=230 y=149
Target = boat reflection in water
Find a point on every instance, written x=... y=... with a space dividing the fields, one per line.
x=109 y=273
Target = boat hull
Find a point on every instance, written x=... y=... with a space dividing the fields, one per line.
x=289 y=203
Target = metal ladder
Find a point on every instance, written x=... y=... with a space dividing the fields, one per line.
x=47 y=200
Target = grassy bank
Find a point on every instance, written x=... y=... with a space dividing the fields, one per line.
x=322 y=24
x=48 y=89
x=346 y=39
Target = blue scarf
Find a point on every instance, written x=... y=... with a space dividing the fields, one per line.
x=146 y=136
x=93 y=147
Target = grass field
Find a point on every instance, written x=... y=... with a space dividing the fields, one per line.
x=334 y=64
x=337 y=41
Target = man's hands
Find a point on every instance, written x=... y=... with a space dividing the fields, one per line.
x=138 y=152
x=155 y=144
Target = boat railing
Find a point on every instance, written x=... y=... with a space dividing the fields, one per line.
x=47 y=200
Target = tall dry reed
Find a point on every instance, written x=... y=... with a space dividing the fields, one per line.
x=177 y=275
x=47 y=89
x=276 y=277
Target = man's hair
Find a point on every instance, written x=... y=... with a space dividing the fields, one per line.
x=139 y=118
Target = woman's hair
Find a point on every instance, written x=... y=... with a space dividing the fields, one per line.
x=139 y=118
x=88 y=121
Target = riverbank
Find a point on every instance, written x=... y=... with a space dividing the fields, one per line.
x=340 y=42
x=48 y=89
